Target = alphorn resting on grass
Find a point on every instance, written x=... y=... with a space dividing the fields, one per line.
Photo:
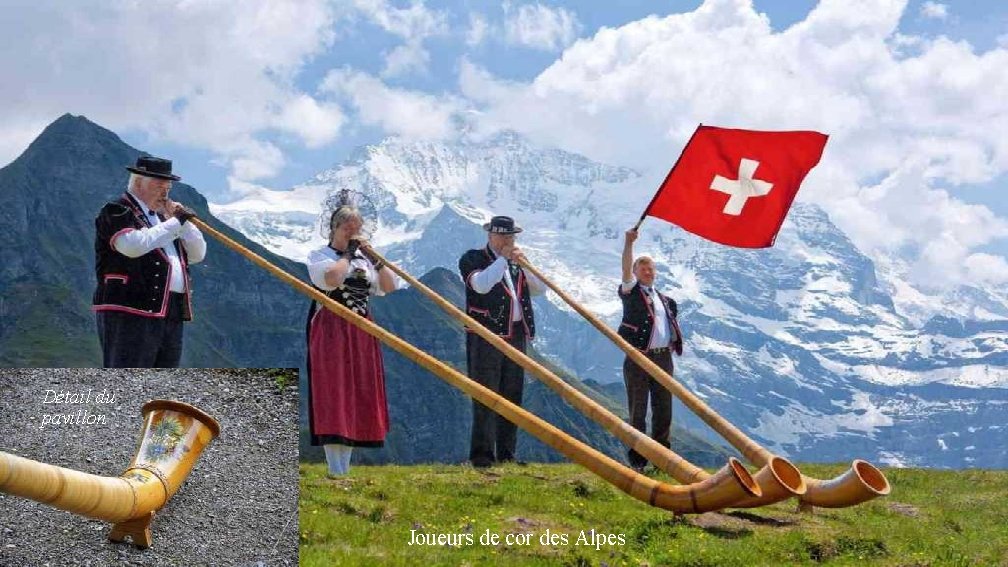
x=862 y=482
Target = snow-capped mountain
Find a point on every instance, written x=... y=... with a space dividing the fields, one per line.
x=811 y=346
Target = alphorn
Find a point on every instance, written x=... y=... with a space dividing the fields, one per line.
x=778 y=480
x=862 y=482
x=174 y=436
x=729 y=484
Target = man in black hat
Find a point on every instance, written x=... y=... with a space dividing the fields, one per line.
x=498 y=296
x=143 y=248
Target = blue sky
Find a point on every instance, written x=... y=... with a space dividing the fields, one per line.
x=237 y=94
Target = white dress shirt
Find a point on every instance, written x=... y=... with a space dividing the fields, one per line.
x=661 y=335
x=161 y=234
x=484 y=280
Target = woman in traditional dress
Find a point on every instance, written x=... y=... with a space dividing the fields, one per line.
x=346 y=378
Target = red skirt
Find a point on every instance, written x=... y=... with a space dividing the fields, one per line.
x=346 y=383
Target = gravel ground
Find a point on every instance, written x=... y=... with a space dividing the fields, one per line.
x=238 y=506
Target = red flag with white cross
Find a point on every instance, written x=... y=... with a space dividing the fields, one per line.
x=735 y=186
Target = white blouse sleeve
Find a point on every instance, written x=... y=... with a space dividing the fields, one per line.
x=373 y=276
x=372 y=273
x=318 y=263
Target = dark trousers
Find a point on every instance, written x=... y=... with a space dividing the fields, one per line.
x=640 y=386
x=493 y=437
x=132 y=341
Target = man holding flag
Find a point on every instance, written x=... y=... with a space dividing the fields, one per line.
x=650 y=325
x=729 y=186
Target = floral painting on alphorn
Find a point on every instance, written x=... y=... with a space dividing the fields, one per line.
x=166 y=436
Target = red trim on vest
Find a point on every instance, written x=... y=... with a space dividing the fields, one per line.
x=140 y=216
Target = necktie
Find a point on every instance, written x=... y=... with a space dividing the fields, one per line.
x=513 y=268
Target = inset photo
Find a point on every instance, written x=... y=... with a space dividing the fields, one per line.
x=149 y=467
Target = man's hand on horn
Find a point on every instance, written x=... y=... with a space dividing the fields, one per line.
x=515 y=254
x=178 y=210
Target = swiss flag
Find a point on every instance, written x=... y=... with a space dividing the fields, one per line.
x=736 y=186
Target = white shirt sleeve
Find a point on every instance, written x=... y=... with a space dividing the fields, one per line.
x=139 y=241
x=483 y=281
x=192 y=240
x=625 y=287
x=376 y=284
x=318 y=263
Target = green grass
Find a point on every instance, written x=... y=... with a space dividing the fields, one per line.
x=931 y=518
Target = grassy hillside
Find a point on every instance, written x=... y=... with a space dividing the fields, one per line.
x=931 y=518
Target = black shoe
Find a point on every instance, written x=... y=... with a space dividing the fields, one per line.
x=482 y=463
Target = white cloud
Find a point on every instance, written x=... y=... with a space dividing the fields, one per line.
x=922 y=123
x=413 y=24
x=905 y=212
x=540 y=27
x=208 y=75
x=986 y=268
x=316 y=123
x=255 y=160
x=398 y=112
x=934 y=10
x=407 y=58
x=478 y=29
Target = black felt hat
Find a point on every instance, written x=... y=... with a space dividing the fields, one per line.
x=153 y=167
x=502 y=225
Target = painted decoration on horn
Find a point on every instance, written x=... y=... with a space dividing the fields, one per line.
x=168 y=432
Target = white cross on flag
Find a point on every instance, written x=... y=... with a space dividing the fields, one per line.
x=736 y=186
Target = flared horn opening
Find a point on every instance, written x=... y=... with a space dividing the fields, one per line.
x=872 y=477
x=779 y=480
x=788 y=476
x=861 y=483
x=744 y=477
x=185 y=409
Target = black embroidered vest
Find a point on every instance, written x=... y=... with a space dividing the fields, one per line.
x=638 y=318
x=138 y=286
x=493 y=309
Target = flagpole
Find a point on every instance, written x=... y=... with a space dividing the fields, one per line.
x=676 y=164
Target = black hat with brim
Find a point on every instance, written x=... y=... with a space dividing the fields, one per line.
x=502 y=225
x=153 y=167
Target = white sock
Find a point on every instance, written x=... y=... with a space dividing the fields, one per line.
x=346 y=458
x=334 y=459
